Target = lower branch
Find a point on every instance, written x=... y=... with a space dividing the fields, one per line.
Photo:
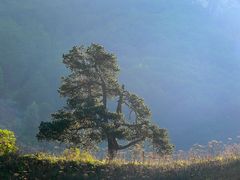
x=121 y=147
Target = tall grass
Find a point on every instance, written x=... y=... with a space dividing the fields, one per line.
x=215 y=160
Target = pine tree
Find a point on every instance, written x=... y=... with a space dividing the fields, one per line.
x=86 y=121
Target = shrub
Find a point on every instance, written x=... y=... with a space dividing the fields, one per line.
x=76 y=154
x=7 y=142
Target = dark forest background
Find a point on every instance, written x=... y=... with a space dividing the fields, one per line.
x=181 y=56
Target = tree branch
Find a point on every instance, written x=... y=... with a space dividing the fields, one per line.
x=131 y=125
x=121 y=147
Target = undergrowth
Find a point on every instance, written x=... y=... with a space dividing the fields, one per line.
x=45 y=166
x=209 y=162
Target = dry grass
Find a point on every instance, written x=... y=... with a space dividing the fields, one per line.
x=213 y=161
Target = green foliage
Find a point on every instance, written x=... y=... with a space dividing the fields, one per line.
x=43 y=166
x=86 y=120
x=7 y=142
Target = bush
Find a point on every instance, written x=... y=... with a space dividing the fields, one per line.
x=76 y=154
x=7 y=142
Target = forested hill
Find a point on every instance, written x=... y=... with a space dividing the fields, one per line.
x=181 y=56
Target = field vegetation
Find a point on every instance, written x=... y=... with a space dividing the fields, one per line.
x=213 y=161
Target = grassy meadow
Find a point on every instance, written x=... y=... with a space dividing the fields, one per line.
x=73 y=164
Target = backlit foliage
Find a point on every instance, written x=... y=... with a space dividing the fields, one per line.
x=7 y=142
x=92 y=89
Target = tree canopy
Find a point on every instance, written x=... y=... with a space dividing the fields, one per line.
x=92 y=90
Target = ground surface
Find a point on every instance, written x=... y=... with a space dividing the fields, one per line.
x=51 y=167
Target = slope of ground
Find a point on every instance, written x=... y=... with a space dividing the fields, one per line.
x=57 y=167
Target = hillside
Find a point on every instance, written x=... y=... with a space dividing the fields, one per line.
x=181 y=56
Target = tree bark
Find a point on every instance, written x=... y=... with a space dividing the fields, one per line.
x=112 y=147
x=120 y=101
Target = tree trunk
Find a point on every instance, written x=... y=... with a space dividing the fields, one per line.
x=112 y=142
x=120 y=101
x=112 y=147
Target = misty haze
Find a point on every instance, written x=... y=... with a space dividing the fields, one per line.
x=178 y=77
